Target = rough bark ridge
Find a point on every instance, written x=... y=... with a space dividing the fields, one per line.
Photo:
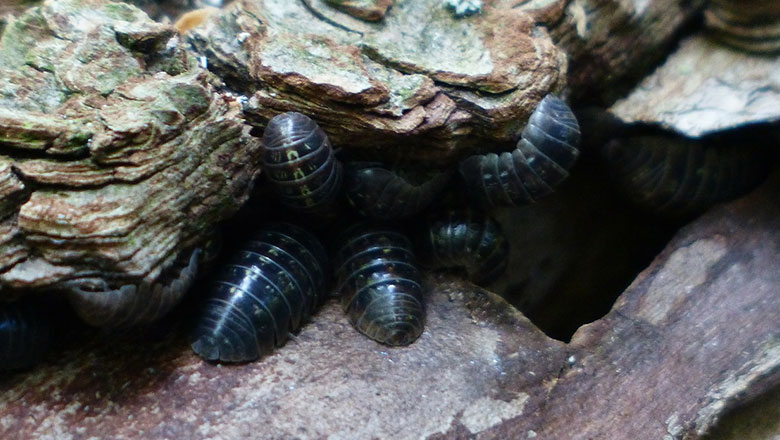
x=611 y=42
x=116 y=153
x=420 y=82
x=669 y=360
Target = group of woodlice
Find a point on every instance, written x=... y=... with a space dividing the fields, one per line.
x=278 y=277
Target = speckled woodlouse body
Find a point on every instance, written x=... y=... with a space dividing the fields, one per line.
x=25 y=335
x=130 y=305
x=268 y=288
x=467 y=239
x=546 y=151
x=382 y=193
x=299 y=162
x=379 y=284
x=674 y=176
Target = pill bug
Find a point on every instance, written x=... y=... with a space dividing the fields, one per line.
x=674 y=177
x=268 y=288
x=467 y=239
x=128 y=305
x=382 y=193
x=546 y=151
x=298 y=160
x=25 y=335
x=750 y=25
x=379 y=285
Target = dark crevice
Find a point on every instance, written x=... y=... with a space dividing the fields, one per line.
x=575 y=252
x=28 y=153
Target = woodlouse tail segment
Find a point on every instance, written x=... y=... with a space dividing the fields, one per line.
x=468 y=240
x=382 y=193
x=300 y=165
x=540 y=161
x=129 y=305
x=25 y=335
x=379 y=284
x=267 y=289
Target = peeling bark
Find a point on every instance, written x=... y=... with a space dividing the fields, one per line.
x=420 y=80
x=118 y=154
x=705 y=87
x=611 y=43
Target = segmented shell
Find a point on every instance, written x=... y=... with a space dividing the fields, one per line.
x=751 y=25
x=133 y=304
x=542 y=159
x=25 y=335
x=381 y=193
x=298 y=160
x=268 y=288
x=673 y=176
x=466 y=239
x=379 y=285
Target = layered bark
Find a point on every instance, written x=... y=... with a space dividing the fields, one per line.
x=118 y=153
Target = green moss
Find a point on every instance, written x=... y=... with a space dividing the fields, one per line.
x=20 y=36
x=28 y=139
x=189 y=100
x=120 y=11
x=79 y=139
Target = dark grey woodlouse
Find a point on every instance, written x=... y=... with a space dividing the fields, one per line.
x=381 y=193
x=25 y=335
x=466 y=239
x=268 y=288
x=674 y=177
x=541 y=160
x=752 y=25
x=299 y=162
x=379 y=284
x=130 y=305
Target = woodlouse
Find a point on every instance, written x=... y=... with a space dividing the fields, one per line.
x=381 y=193
x=134 y=304
x=25 y=335
x=748 y=25
x=299 y=162
x=267 y=289
x=379 y=285
x=466 y=239
x=546 y=151
x=675 y=177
